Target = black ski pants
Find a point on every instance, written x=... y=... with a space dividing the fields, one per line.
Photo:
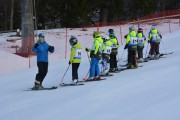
x=113 y=61
x=131 y=57
x=75 y=67
x=155 y=49
x=140 y=52
x=42 y=71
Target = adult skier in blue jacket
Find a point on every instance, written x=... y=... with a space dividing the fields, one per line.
x=41 y=48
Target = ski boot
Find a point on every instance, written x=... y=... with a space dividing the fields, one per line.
x=90 y=78
x=129 y=66
x=75 y=81
x=38 y=87
x=97 y=78
x=157 y=56
x=112 y=70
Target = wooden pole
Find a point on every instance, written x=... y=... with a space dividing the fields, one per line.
x=121 y=35
x=29 y=61
x=169 y=27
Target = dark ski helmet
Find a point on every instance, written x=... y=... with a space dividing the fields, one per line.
x=111 y=31
x=140 y=30
x=73 y=40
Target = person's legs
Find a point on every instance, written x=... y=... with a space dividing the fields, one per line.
x=153 y=50
x=42 y=71
x=139 y=52
x=115 y=61
x=111 y=61
x=97 y=67
x=45 y=70
x=133 y=59
x=157 y=49
x=150 y=50
x=75 y=67
x=92 y=67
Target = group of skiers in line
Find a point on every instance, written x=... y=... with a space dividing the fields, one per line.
x=104 y=48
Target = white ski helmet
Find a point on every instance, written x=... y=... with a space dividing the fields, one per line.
x=153 y=27
x=131 y=28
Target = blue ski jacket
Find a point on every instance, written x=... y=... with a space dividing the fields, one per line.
x=42 y=51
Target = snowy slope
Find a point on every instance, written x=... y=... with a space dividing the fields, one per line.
x=147 y=93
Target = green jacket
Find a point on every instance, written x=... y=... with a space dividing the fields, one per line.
x=154 y=31
x=140 y=35
x=95 y=46
x=75 y=56
x=114 y=40
x=131 y=34
x=100 y=40
x=107 y=43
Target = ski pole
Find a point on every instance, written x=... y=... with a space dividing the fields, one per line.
x=64 y=74
x=88 y=58
x=89 y=68
x=86 y=75
x=146 y=50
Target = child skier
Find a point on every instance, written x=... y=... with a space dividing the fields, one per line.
x=75 y=58
x=131 y=44
x=41 y=48
x=95 y=56
x=154 y=39
x=141 y=40
x=114 y=51
x=106 y=51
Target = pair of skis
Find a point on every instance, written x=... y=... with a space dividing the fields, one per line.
x=66 y=84
x=160 y=56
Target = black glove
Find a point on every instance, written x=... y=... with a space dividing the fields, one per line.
x=51 y=49
x=125 y=36
x=69 y=62
x=125 y=47
x=36 y=45
x=160 y=36
x=87 y=49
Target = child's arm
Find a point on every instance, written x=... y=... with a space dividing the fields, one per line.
x=73 y=52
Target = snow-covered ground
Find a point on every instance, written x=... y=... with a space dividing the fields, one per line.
x=150 y=92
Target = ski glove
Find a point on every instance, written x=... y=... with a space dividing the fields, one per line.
x=87 y=50
x=125 y=36
x=51 y=49
x=36 y=45
x=125 y=47
x=69 y=62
